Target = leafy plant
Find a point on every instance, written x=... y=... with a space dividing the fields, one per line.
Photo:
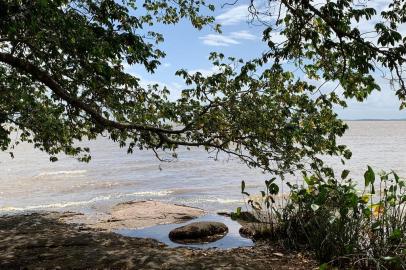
x=263 y=207
x=342 y=225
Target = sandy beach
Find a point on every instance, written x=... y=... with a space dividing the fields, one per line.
x=53 y=241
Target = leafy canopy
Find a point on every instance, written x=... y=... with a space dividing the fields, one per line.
x=62 y=79
x=348 y=42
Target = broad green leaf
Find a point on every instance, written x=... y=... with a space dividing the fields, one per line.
x=369 y=176
x=344 y=174
x=315 y=207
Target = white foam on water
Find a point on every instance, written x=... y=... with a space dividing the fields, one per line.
x=54 y=205
x=223 y=201
x=56 y=173
x=150 y=193
x=217 y=200
x=86 y=202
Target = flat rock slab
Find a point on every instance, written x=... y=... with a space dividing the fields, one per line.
x=138 y=214
x=199 y=232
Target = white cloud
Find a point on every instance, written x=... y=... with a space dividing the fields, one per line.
x=379 y=5
x=218 y=40
x=234 y=15
x=277 y=37
x=206 y=72
x=244 y=34
x=147 y=81
x=227 y=40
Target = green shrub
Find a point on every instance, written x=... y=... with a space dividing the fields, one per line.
x=343 y=226
x=324 y=217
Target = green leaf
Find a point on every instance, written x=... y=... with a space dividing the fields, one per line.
x=369 y=176
x=396 y=234
x=344 y=174
x=273 y=189
x=389 y=258
x=347 y=154
x=396 y=177
x=324 y=266
x=242 y=186
x=315 y=207
x=43 y=2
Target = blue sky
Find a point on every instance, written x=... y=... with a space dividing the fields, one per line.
x=189 y=48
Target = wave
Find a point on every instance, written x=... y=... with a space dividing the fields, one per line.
x=61 y=173
x=54 y=205
x=79 y=203
x=150 y=193
x=224 y=201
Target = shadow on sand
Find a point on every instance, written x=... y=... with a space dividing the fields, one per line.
x=41 y=240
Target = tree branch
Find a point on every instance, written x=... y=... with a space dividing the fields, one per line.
x=338 y=31
x=57 y=89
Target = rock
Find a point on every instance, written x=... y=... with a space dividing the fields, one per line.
x=255 y=230
x=244 y=217
x=138 y=214
x=199 y=232
x=224 y=214
x=247 y=231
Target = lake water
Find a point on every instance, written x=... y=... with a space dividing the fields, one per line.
x=30 y=182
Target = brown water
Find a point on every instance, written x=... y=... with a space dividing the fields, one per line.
x=30 y=182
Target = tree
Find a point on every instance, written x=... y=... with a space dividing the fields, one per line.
x=325 y=40
x=62 y=81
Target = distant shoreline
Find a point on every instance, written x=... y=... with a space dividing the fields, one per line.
x=374 y=120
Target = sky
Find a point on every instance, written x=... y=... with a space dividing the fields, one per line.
x=188 y=48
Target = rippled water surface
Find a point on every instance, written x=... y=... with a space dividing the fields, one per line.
x=31 y=182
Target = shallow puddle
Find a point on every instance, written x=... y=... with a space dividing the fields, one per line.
x=233 y=239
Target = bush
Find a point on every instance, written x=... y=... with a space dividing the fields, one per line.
x=343 y=226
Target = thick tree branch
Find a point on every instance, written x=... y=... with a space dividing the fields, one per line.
x=43 y=77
